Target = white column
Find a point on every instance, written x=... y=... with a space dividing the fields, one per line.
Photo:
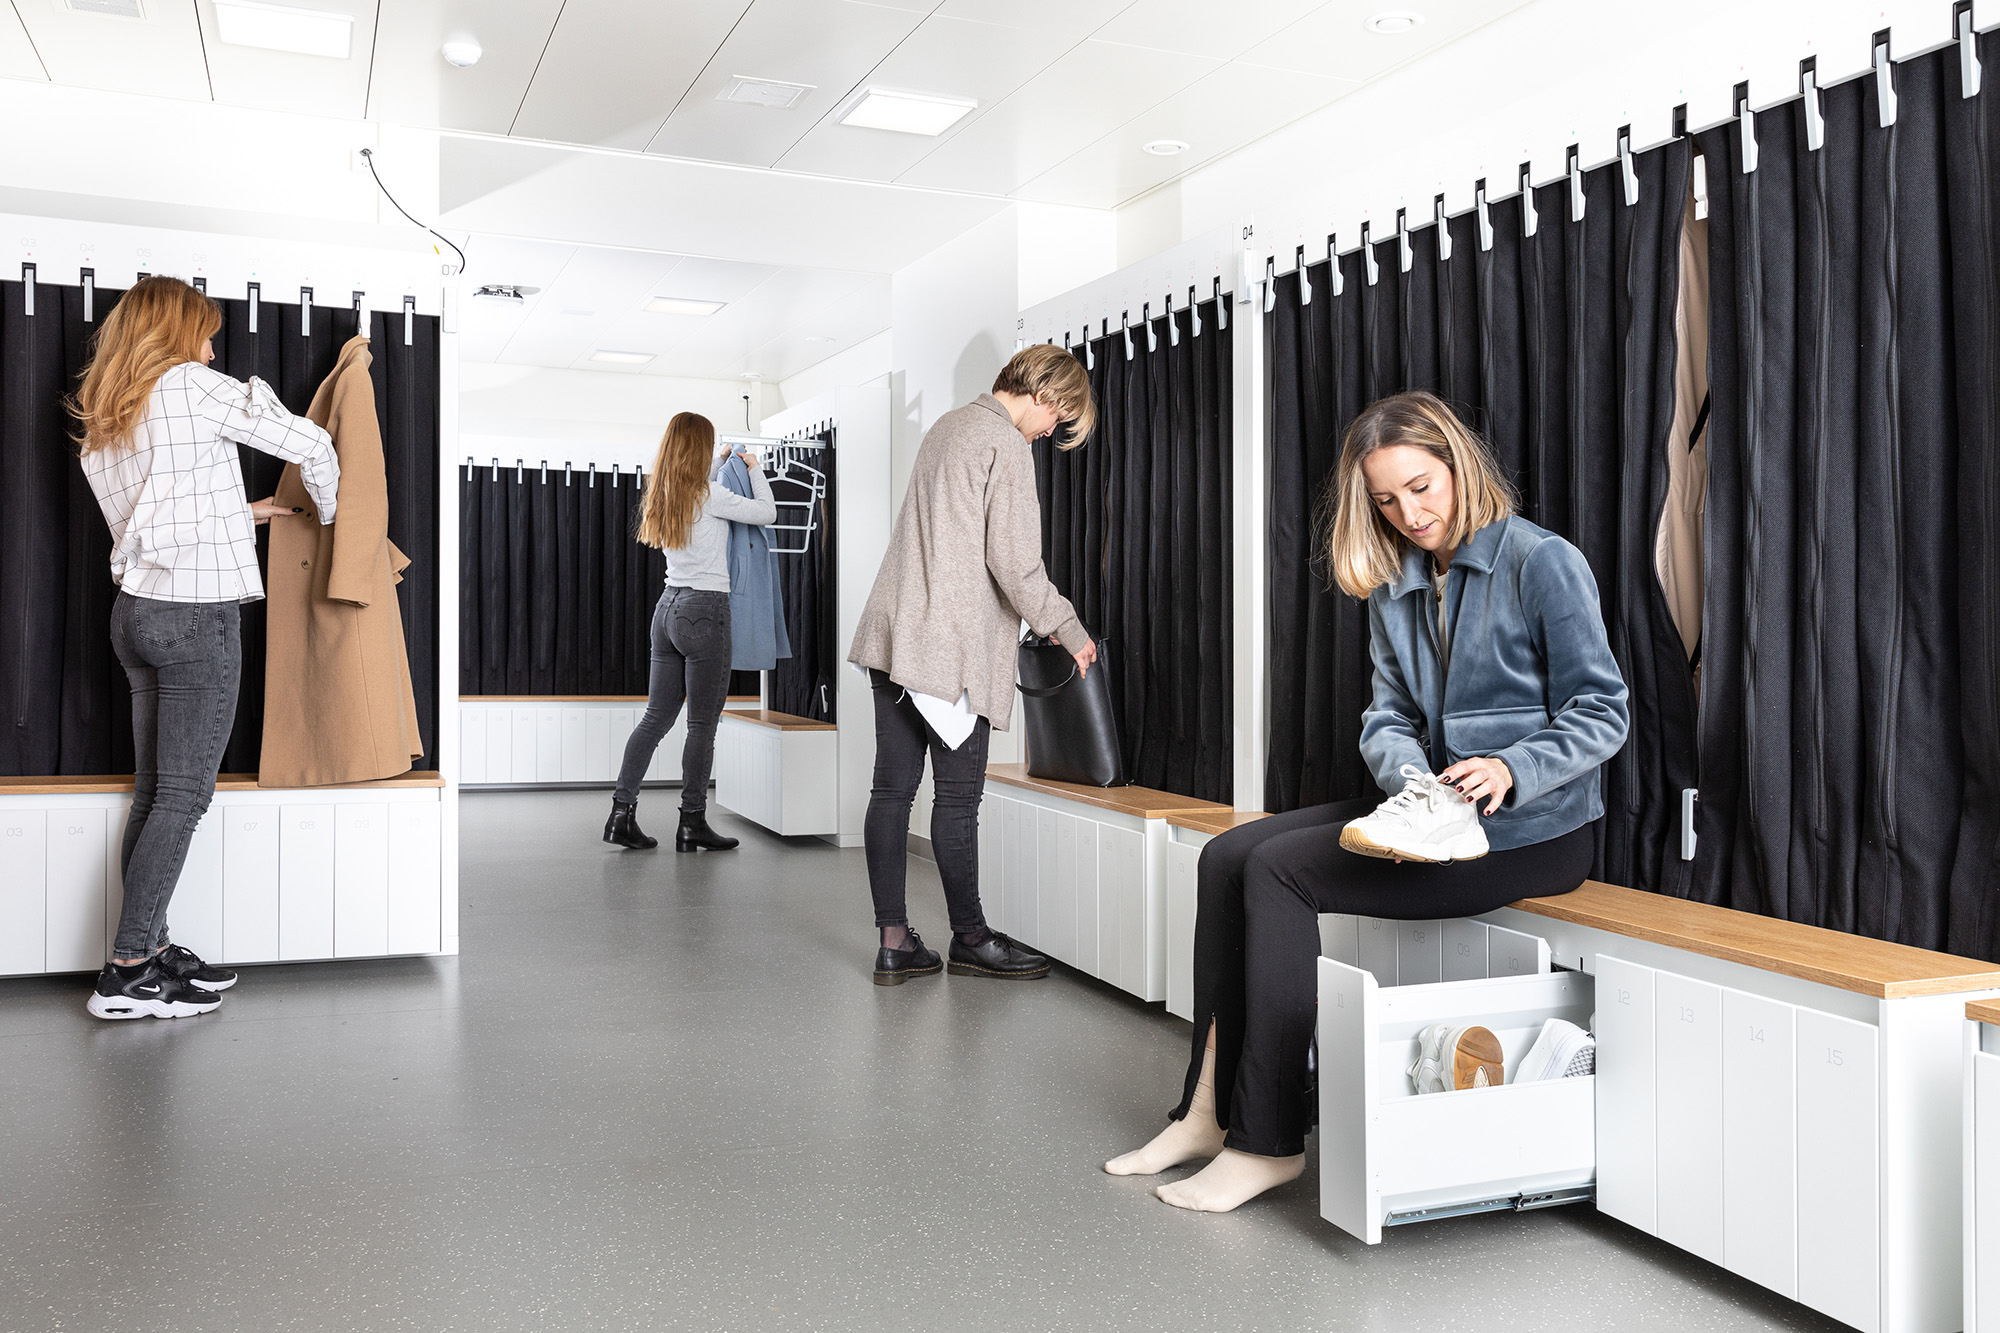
x=1250 y=479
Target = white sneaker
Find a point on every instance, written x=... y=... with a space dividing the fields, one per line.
x=1451 y=1059
x=1564 y=1050
x=1426 y=821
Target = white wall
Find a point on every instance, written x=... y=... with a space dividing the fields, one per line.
x=586 y=416
x=865 y=361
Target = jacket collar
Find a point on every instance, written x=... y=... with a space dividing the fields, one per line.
x=1479 y=552
x=993 y=405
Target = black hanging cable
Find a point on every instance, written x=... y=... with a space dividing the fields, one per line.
x=368 y=156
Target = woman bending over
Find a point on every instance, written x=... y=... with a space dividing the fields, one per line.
x=1495 y=701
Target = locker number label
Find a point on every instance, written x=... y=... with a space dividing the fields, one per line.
x=1835 y=1057
x=1687 y=1014
x=1624 y=996
x=1756 y=1033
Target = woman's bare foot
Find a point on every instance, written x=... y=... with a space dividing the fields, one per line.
x=1232 y=1179
x=1195 y=1135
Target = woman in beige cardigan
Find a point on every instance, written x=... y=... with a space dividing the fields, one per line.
x=938 y=639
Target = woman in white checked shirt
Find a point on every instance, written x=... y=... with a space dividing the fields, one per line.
x=158 y=446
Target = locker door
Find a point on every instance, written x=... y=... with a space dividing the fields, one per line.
x=1464 y=950
x=991 y=854
x=1058 y=919
x=251 y=835
x=1627 y=1173
x=416 y=884
x=620 y=723
x=194 y=918
x=1089 y=928
x=575 y=746
x=471 y=744
x=305 y=880
x=78 y=856
x=1012 y=873
x=1985 y=1273
x=523 y=748
x=1340 y=938
x=1419 y=952
x=1179 y=863
x=1040 y=831
x=24 y=890
x=1759 y=1142
x=1378 y=949
x=360 y=881
x=548 y=745
x=599 y=764
x=499 y=745
x=1839 y=1213
x=1121 y=859
x=1687 y=1071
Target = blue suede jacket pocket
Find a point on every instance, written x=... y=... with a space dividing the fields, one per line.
x=1482 y=733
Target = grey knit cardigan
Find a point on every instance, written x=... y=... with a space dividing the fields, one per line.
x=964 y=568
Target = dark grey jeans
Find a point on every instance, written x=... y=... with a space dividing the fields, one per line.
x=691 y=665
x=183 y=659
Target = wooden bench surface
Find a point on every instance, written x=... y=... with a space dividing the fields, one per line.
x=1810 y=953
x=101 y=783
x=1983 y=1011
x=764 y=717
x=1139 y=802
x=1214 y=821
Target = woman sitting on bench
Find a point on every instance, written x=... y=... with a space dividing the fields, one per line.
x=1495 y=700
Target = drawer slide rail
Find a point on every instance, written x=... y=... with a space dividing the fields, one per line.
x=1516 y=1203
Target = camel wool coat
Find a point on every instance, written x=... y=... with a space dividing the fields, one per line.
x=338 y=705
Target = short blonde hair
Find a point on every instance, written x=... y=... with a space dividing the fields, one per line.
x=1363 y=550
x=1050 y=375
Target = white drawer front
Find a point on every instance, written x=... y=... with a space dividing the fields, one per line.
x=1687 y=1073
x=305 y=882
x=194 y=918
x=1627 y=1173
x=1759 y=1142
x=251 y=835
x=24 y=890
x=1838 y=1187
x=79 y=852
x=360 y=880
x=1985 y=1255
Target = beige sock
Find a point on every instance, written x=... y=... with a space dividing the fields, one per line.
x=1231 y=1179
x=1194 y=1135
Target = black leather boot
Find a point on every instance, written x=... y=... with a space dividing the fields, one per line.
x=694 y=834
x=623 y=827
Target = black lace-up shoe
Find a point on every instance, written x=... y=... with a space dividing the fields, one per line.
x=147 y=991
x=893 y=967
x=997 y=957
x=182 y=965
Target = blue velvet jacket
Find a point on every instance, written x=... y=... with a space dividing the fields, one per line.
x=1529 y=679
x=756 y=601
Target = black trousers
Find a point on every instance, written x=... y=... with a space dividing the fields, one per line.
x=958 y=778
x=690 y=647
x=1256 y=946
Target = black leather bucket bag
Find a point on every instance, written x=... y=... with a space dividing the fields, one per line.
x=1072 y=725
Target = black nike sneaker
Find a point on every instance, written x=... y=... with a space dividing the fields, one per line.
x=147 y=991
x=182 y=964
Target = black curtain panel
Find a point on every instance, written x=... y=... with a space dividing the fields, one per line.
x=68 y=705
x=1137 y=531
x=803 y=684
x=1848 y=743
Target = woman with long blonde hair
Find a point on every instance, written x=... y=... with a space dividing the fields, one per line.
x=1496 y=699
x=157 y=442
x=687 y=514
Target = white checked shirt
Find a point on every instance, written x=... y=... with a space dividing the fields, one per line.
x=181 y=530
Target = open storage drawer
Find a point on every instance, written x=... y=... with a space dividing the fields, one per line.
x=1388 y=1155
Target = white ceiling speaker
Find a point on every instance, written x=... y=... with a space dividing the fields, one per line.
x=621 y=358
x=1165 y=147
x=462 y=52
x=1394 y=23
x=906 y=113
x=117 y=9
x=773 y=93
x=506 y=291
x=304 y=32
x=679 y=305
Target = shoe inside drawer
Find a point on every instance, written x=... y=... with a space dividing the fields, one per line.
x=1389 y=1155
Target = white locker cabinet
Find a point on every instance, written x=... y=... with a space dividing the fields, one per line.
x=1627 y=1177
x=1121 y=883
x=24 y=890
x=1759 y=1142
x=471 y=746
x=1419 y=952
x=1089 y=902
x=991 y=820
x=1056 y=912
x=522 y=766
x=416 y=873
x=1377 y=949
x=79 y=853
x=777 y=770
x=573 y=765
x=598 y=764
x=1182 y=864
x=1340 y=938
x=360 y=880
x=1013 y=867
x=305 y=881
x=1839 y=1209
x=1687 y=1077
x=250 y=866
x=1981 y=1205
x=499 y=745
x=195 y=916
x=1464 y=945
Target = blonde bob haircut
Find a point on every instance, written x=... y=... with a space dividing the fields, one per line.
x=1363 y=550
x=1051 y=376
x=678 y=487
x=157 y=325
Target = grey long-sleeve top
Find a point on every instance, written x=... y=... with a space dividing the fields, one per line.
x=703 y=564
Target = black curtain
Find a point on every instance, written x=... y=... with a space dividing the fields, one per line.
x=803 y=684
x=68 y=703
x=556 y=594
x=1557 y=344
x=1136 y=532
x=1848 y=724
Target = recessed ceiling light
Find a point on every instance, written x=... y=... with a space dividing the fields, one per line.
x=506 y=291
x=1165 y=147
x=773 y=93
x=462 y=52
x=1394 y=22
x=906 y=113
x=305 y=32
x=622 y=358
x=677 y=305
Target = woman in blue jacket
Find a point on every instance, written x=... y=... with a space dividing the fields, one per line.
x=1496 y=699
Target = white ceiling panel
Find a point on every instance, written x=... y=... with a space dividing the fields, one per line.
x=412 y=85
x=1091 y=91
x=17 y=54
x=1199 y=28
x=1061 y=23
x=713 y=280
x=955 y=57
x=159 y=55
x=1229 y=108
x=485 y=324
x=281 y=81
x=614 y=70
x=1332 y=40
x=828 y=44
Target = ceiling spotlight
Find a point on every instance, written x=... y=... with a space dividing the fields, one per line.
x=678 y=305
x=462 y=52
x=1394 y=22
x=506 y=291
x=1165 y=147
x=622 y=358
x=305 y=32
x=906 y=113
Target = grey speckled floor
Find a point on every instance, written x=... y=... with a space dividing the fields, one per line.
x=658 y=1091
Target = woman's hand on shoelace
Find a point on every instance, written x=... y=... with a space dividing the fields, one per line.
x=1480 y=780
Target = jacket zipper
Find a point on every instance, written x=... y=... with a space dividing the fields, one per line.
x=1443 y=655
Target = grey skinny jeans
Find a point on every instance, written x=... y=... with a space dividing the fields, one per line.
x=690 y=664
x=183 y=660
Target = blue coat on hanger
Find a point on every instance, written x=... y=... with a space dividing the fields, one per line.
x=756 y=606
